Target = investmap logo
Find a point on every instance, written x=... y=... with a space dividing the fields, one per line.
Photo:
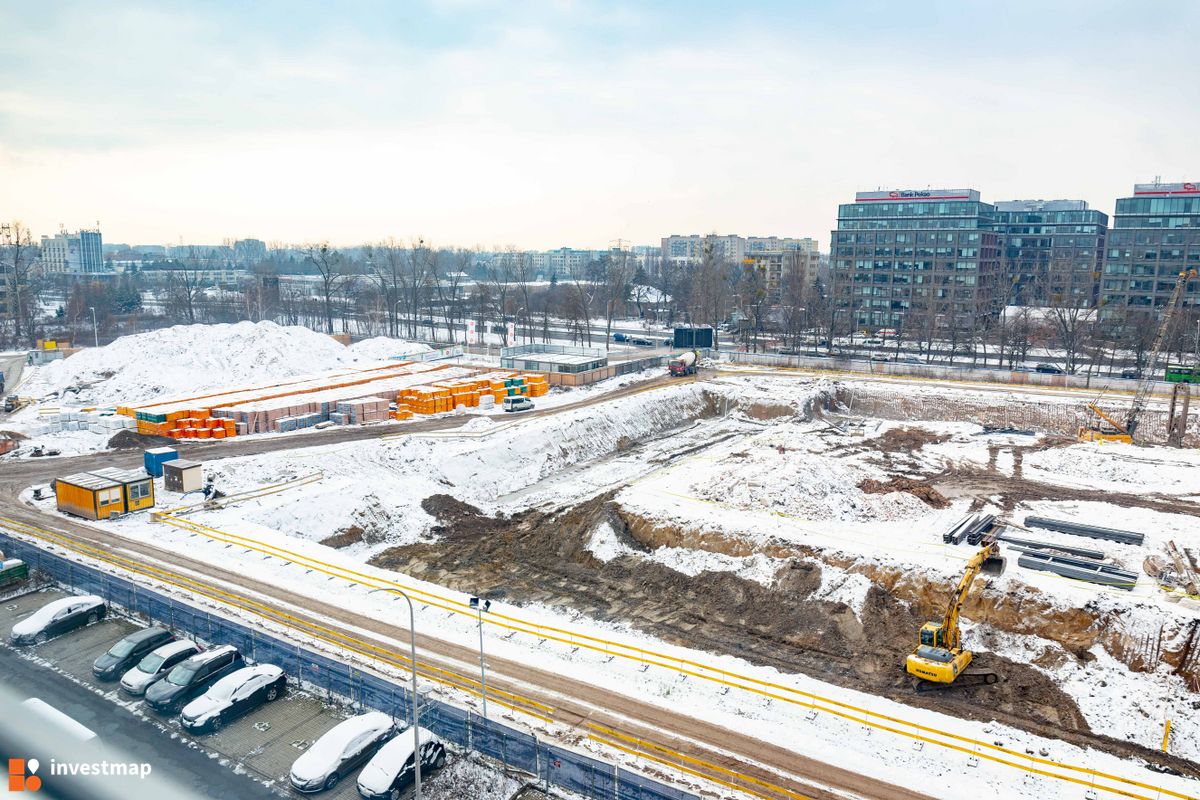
x=22 y=775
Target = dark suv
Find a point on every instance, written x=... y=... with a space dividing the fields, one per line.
x=192 y=677
x=126 y=653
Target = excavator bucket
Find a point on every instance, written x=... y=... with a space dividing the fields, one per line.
x=993 y=566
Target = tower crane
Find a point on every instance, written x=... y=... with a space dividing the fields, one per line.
x=940 y=657
x=1102 y=426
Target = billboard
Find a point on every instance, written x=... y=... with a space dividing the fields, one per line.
x=694 y=338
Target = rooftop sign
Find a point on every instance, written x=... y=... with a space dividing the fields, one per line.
x=916 y=195
x=1167 y=188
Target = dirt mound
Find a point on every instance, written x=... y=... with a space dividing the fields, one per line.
x=129 y=440
x=344 y=538
x=904 y=440
x=922 y=491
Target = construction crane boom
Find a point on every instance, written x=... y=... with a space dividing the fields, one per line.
x=1148 y=374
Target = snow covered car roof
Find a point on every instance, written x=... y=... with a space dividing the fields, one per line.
x=171 y=648
x=379 y=773
x=327 y=750
x=38 y=619
x=225 y=687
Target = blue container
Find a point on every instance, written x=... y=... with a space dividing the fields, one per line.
x=155 y=457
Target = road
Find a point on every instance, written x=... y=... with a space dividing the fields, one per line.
x=117 y=727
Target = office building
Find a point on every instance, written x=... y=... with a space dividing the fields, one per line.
x=1053 y=251
x=73 y=253
x=1155 y=235
x=928 y=258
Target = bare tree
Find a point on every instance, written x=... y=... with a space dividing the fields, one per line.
x=20 y=266
x=330 y=266
x=617 y=274
x=1071 y=317
x=186 y=282
x=386 y=261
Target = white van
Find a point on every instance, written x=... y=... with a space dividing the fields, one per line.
x=517 y=403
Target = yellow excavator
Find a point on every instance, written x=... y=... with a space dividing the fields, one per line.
x=1101 y=427
x=940 y=659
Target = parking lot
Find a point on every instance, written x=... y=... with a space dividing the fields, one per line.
x=264 y=743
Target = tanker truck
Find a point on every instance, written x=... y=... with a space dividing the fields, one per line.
x=683 y=364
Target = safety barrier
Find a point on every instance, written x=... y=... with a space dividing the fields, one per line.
x=551 y=764
x=809 y=702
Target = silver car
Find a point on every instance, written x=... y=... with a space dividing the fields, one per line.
x=341 y=750
x=156 y=665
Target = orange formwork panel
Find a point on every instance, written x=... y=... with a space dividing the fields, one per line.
x=217 y=433
x=203 y=433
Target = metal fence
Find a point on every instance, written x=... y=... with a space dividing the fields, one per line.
x=553 y=766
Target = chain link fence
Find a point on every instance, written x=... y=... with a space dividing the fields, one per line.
x=553 y=766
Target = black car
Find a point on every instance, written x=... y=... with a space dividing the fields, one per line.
x=390 y=772
x=126 y=653
x=58 y=617
x=1131 y=373
x=1049 y=369
x=192 y=677
x=642 y=342
x=236 y=694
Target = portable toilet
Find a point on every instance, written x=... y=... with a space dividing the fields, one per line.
x=137 y=488
x=181 y=475
x=154 y=458
x=89 y=496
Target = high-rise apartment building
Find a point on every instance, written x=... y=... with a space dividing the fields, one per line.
x=777 y=267
x=1154 y=237
x=1053 y=251
x=81 y=252
x=928 y=257
x=732 y=249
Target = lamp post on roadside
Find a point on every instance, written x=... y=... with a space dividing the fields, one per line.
x=95 y=328
x=416 y=714
x=481 y=606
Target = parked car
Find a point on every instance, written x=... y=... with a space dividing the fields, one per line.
x=191 y=677
x=517 y=403
x=129 y=651
x=390 y=772
x=1131 y=373
x=340 y=751
x=155 y=666
x=58 y=617
x=1049 y=369
x=236 y=694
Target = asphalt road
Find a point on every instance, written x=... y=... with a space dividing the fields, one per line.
x=170 y=757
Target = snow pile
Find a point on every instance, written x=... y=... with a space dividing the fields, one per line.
x=771 y=474
x=190 y=358
x=1117 y=467
x=383 y=348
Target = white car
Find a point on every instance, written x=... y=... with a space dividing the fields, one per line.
x=156 y=665
x=238 y=693
x=58 y=616
x=340 y=750
x=390 y=772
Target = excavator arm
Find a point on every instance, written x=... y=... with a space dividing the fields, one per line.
x=987 y=555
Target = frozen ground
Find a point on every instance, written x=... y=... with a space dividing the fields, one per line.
x=379 y=486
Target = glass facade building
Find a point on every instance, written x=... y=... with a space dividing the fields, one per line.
x=926 y=257
x=1053 y=251
x=1155 y=236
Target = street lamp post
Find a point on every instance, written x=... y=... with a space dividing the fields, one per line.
x=95 y=328
x=416 y=719
x=481 y=606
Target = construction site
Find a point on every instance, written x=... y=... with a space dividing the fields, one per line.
x=990 y=583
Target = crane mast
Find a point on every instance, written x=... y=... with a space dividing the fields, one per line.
x=1147 y=381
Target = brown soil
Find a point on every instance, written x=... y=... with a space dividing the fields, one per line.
x=903 y=440
x=538 y=557
x=344 y=537
x=918 y=489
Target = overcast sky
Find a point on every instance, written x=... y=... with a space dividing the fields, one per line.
x=472 y=122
